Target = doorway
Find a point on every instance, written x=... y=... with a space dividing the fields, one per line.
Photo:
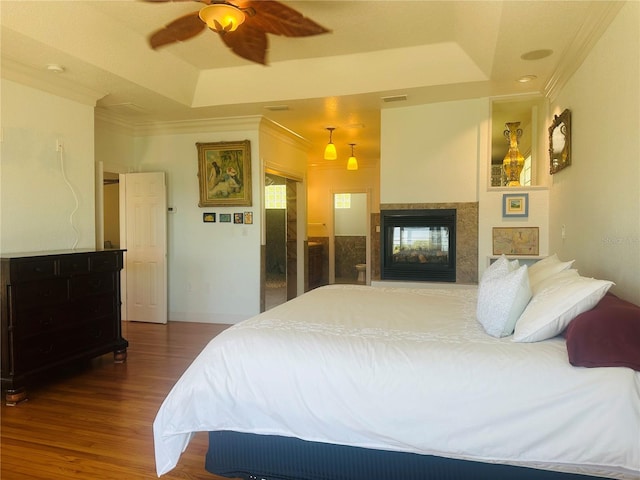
x=351 y=238
x=281 y=238
x=275 y=240
x=111 y=209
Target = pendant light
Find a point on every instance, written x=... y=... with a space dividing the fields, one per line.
x=352 y=163
x=330 y=150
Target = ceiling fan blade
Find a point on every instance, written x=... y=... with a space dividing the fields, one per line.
x=247 y=42
x=279 y=19
x=179 y=30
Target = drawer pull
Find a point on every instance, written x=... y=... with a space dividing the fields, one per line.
x=46 y=350
x=38 y=269
x=97 y=334
x=45 y=322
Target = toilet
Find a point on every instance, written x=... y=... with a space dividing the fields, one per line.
x=361 y=268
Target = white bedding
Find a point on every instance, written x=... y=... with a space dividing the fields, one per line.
x=408 y=370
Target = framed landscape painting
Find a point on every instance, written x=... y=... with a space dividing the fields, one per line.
x=224 y=173
x=515 y=205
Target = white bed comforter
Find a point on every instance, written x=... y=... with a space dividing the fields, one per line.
x=408 y=370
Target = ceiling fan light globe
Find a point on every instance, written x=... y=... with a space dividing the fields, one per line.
x=222 y=17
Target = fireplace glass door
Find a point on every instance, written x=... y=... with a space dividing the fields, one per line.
x=421 y=245
x=418 y=245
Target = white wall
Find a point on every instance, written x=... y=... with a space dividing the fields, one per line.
x=430 y=153
x=490 y=215
x=114 y=145
x=597 y=198
x=441 y=153
x=38 y=207
x=213 y=268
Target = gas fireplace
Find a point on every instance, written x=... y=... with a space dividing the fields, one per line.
x=418 y=245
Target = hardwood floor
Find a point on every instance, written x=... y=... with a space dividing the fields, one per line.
x=94 y=422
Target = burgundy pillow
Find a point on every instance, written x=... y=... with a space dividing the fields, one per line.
x=606 y=336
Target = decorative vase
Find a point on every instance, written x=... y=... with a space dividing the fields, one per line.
x=513 y=162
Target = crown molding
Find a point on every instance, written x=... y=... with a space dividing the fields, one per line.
x=599 y=19
x=224 y=124
x=283 y=134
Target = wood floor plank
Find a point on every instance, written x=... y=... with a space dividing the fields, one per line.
x=95 y=421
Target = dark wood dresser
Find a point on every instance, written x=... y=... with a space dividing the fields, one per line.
x=57 y=308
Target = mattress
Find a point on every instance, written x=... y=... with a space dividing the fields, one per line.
x=406 y=370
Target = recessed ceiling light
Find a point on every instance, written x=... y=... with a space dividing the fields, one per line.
x=536 y=54
x=527 y=78
x=55 y=68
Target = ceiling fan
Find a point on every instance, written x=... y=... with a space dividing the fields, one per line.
x=242 y=26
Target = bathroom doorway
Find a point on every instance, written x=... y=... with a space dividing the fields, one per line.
x=281 y=273
x=351 y=238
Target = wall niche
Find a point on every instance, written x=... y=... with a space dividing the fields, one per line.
x=530 y=112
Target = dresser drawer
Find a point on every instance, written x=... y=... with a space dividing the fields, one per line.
x=74 y=264
x=39 y=351
x=41 y=320
x=48 y=348
x=27 y=270
x=85 y=285
x=40 y=293
x=105 y=262
x=89 y=335
x=95 y=307
x=96 y=333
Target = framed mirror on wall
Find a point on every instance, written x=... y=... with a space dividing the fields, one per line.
x=517 y=121
x=560 y=142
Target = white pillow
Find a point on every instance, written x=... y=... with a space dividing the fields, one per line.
x=501 y=266
x=561 y=299
x=502 y=296
x=545 y=268
x=555 y=278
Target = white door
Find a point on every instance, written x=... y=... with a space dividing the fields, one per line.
x=145 y=239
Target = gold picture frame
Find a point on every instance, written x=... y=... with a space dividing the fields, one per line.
x=224 y=173
x=516 y=240
x=560 y=142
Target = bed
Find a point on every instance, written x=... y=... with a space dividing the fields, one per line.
x=355 y=382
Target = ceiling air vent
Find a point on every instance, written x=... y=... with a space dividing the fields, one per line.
x=277 y=108
x=394 y=98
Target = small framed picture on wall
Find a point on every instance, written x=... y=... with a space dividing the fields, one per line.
x=515 y=205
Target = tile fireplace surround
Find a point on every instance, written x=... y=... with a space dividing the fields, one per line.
x=466 y=237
